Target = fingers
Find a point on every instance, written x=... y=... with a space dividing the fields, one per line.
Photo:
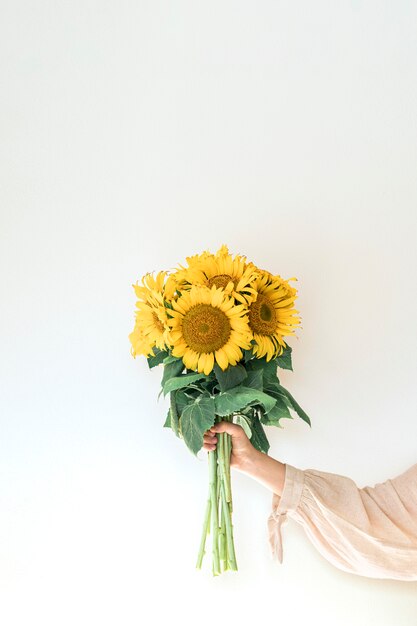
x=226 y=427
x=210 y=440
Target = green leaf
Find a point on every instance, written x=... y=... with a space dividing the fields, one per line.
x=171 y=370
x=284 y=360
x=172 y=420
x=182 y=399
x=233 y=400
x=250 y=410
x=157 y=359
x=230 y=377
x=255 y=379
x=170 y=359
x=174 y=414
x=278 y=391
x=209 y=384
x=269 y=369
x=247 y=355
x=294 y=404
x=259 y=439
x=196 y=418
x=244 y=423
x=275 y=390
x=279 y=411
x=181 y=381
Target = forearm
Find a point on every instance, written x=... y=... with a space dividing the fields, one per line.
x=266 y=470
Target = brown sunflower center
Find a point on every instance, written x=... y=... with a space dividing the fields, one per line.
x=205 y=328
x=159 y=325
x=262 y=316
x=221 y=280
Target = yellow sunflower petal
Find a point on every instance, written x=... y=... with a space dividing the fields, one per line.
x=222 y=359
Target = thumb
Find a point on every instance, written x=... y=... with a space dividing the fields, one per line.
x=225 y=427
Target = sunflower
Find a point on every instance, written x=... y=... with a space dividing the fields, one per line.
x=207 y=327
x=196 y=258
x=272 y=314
x=151 y=325
x=140 y=343
x=233 y=274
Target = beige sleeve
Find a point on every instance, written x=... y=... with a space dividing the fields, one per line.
x=370 y=531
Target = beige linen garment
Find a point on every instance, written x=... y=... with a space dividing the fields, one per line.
x=370 y=531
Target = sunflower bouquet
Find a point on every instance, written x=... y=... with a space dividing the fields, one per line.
x=217 y=326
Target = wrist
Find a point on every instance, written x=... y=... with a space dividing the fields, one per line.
x=266 y=470
x=252 y=461
x=249 y=462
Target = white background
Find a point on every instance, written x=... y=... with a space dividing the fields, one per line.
x=135 y=134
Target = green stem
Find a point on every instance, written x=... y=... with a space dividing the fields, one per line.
x=231 y=562
x=218 y=481
x=225 y=464
x=214 y=510
x=218 y=515
x=206 y=528
x=225 y=495
x=225 y=545
x=228 y=450
x=222 y=529
x=223 y=538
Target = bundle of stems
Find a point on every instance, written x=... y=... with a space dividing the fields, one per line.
x=218 y=516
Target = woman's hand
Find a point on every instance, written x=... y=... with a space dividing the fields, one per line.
x=247 y=459
x=243 y=453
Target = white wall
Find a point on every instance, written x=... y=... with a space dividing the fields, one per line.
x=133 y=135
